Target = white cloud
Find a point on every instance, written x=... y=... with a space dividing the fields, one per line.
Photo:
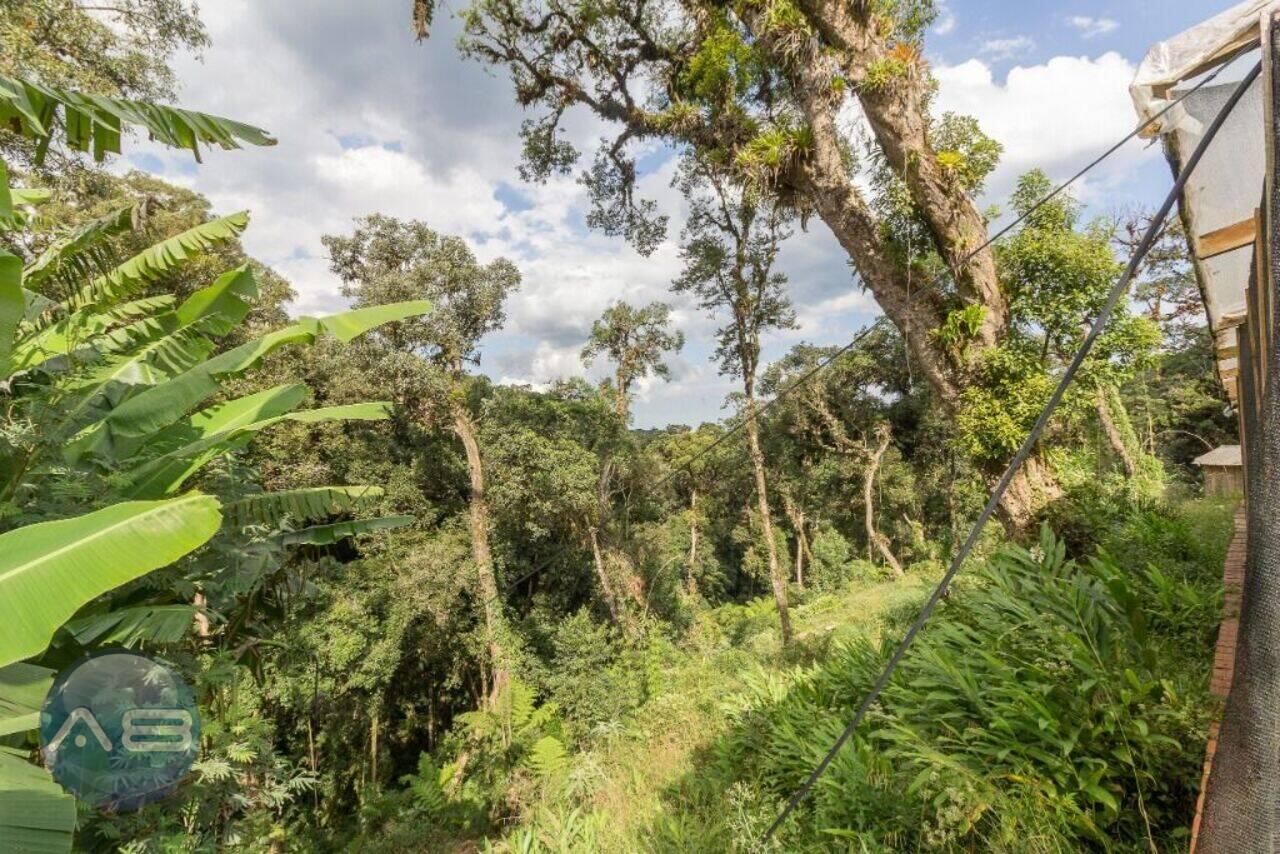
x=1007 y=48
x=1056 y=116
x=1090 y=27
x=945 y=23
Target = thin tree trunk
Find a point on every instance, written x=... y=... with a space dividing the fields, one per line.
x=868 y=499
x=480 y=552
x=373 y=749
x=1114 y=439
x=776 y=578
x=606 y=588
x=796 y=517
x=690 y=582
x=201 y=619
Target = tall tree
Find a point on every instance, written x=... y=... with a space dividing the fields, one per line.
x=387 y=260
x=1057 y=271
x=636 y=341
x=761 y=88
x=730 y=244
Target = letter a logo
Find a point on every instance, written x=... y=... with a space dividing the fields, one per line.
x=79 y=715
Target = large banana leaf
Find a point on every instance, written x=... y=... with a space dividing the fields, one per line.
x=161 y=258
x=96 y=120
x=49 y=570
x=79 y=330
x=327 y=535
x=159 y=406
x=165 y=346
x=165 y=474
x=222 y=305
x=271 y=508
x=36 y=816
x=22 y=691
x=76 y=252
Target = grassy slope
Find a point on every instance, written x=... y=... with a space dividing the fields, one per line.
x=623 y=788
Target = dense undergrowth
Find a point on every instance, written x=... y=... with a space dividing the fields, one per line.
x=1056 y=702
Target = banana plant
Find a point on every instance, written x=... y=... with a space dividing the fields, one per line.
x=118 y=387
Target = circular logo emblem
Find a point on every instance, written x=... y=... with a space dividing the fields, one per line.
x=119 y=729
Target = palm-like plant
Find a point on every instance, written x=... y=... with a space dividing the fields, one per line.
x=109 y=414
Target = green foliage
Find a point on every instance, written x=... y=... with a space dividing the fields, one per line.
x=123 y=50
x=50 y=569
x=1039 y=704
x=589 y=672
x=832 y=559
x=723 y=67
x=95 y=122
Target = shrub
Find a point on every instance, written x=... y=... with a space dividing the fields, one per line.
x=832 y=555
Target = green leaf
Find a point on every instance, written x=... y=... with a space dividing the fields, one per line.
x=165 y=474
x=162 y=405
x=49 y=570
x=226 y=301
x=271 y=508
x=132 y=626
x=12 y=305
x=23 y=688
x=96 y=120
x=36 y=816
x=160 y=258
x=78 y=331
x=352 y=324
x=327 y=535
x=71 y=247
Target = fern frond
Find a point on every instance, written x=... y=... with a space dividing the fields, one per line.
x=548 y=758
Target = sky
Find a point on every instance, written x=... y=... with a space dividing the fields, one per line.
x=368 y=120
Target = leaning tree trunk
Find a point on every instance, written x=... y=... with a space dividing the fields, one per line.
x=602 y=574
x=1114 y=437
x=481 y=554
x=879 y=540
x=898 y=115
x=776 y=579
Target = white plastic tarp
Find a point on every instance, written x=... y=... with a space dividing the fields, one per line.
x=1188 y=54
